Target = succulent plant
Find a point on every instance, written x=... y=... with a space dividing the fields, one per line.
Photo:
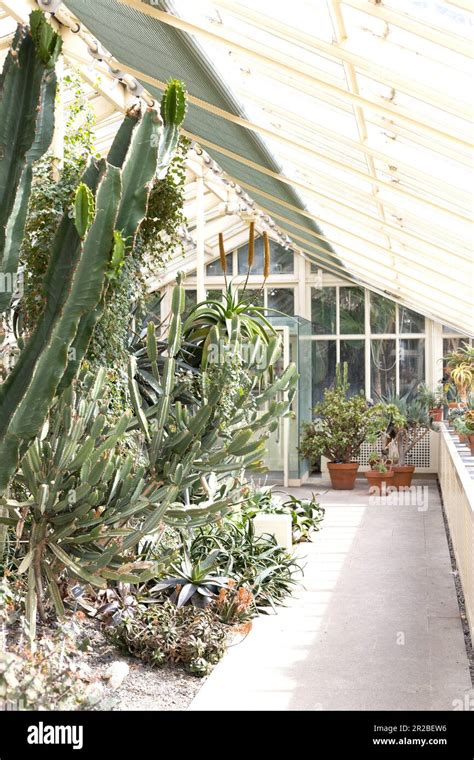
x=188 y=448
x=109 y=205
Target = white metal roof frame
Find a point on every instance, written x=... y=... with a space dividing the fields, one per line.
x=381 y=158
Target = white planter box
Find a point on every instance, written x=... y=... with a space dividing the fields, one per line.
x=278 y=526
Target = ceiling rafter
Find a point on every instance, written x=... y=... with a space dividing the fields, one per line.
x=258 y=52
x=421 y=29
x=340 y=53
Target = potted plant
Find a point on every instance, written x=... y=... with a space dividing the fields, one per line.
x=468 y=429
x=460 y=368
x=454 y=413
x=380 y=473
x=460 y=428
x=408 y=421
x=342 y=423
x=432 y=400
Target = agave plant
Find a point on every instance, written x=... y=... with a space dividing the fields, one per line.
x=195 y=583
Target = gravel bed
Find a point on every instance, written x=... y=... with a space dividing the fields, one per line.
x=145 y=687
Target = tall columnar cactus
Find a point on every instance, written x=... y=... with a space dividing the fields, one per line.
x=28 y=90
x=188 y=448
x=81 y=252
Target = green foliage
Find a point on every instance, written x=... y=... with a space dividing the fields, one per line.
x=173 y=103
x=157 y=238
x=80 y=496
x=164 y=633
x=187 y=446
x=51 y=197
x=306 y=514
x=48 y=44
x=406 y=423
x=27 y=93
x=342 y=423
x=258 y=563
x=193 y=583
x=233 y=316
x=76 y=276
x=84 y=209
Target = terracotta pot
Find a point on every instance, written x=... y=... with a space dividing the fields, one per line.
x=343 y=475
x=402 y=476
x=471 y=444
x=463 y=438
x=453 y=404
x=379 y=480
x=437 y=414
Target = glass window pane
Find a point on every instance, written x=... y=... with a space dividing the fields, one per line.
x=190 y=300
x=214 y=268
x=383 y=368
x=410 y=321
x=281 y=259
x=451 y=344
x=353 y=352
x=382 y=314
x=412 y=364
x=323 y=367
x=323 y=311
x=215 y=294
x=352 y=310
x=282 y=299
x=253 y=296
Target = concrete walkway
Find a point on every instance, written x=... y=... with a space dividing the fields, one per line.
x=377 y=625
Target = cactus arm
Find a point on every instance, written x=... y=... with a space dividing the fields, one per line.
x=138 y=171
x=13 y=237
x=121 y=144
x=22 y=420
x=26 y=132
x=64 y=260
x=134 y=149
x=173 y=111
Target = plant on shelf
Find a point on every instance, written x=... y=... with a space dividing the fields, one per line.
x=408 y=422
x=92 y=239
x=460 y=368
x=434 y=401
x=342 y=423
x=464 y=427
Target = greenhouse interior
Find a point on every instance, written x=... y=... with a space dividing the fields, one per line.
x=236 y=357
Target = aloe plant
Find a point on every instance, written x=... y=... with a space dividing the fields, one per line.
x=110 y=204
x=187 y=446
